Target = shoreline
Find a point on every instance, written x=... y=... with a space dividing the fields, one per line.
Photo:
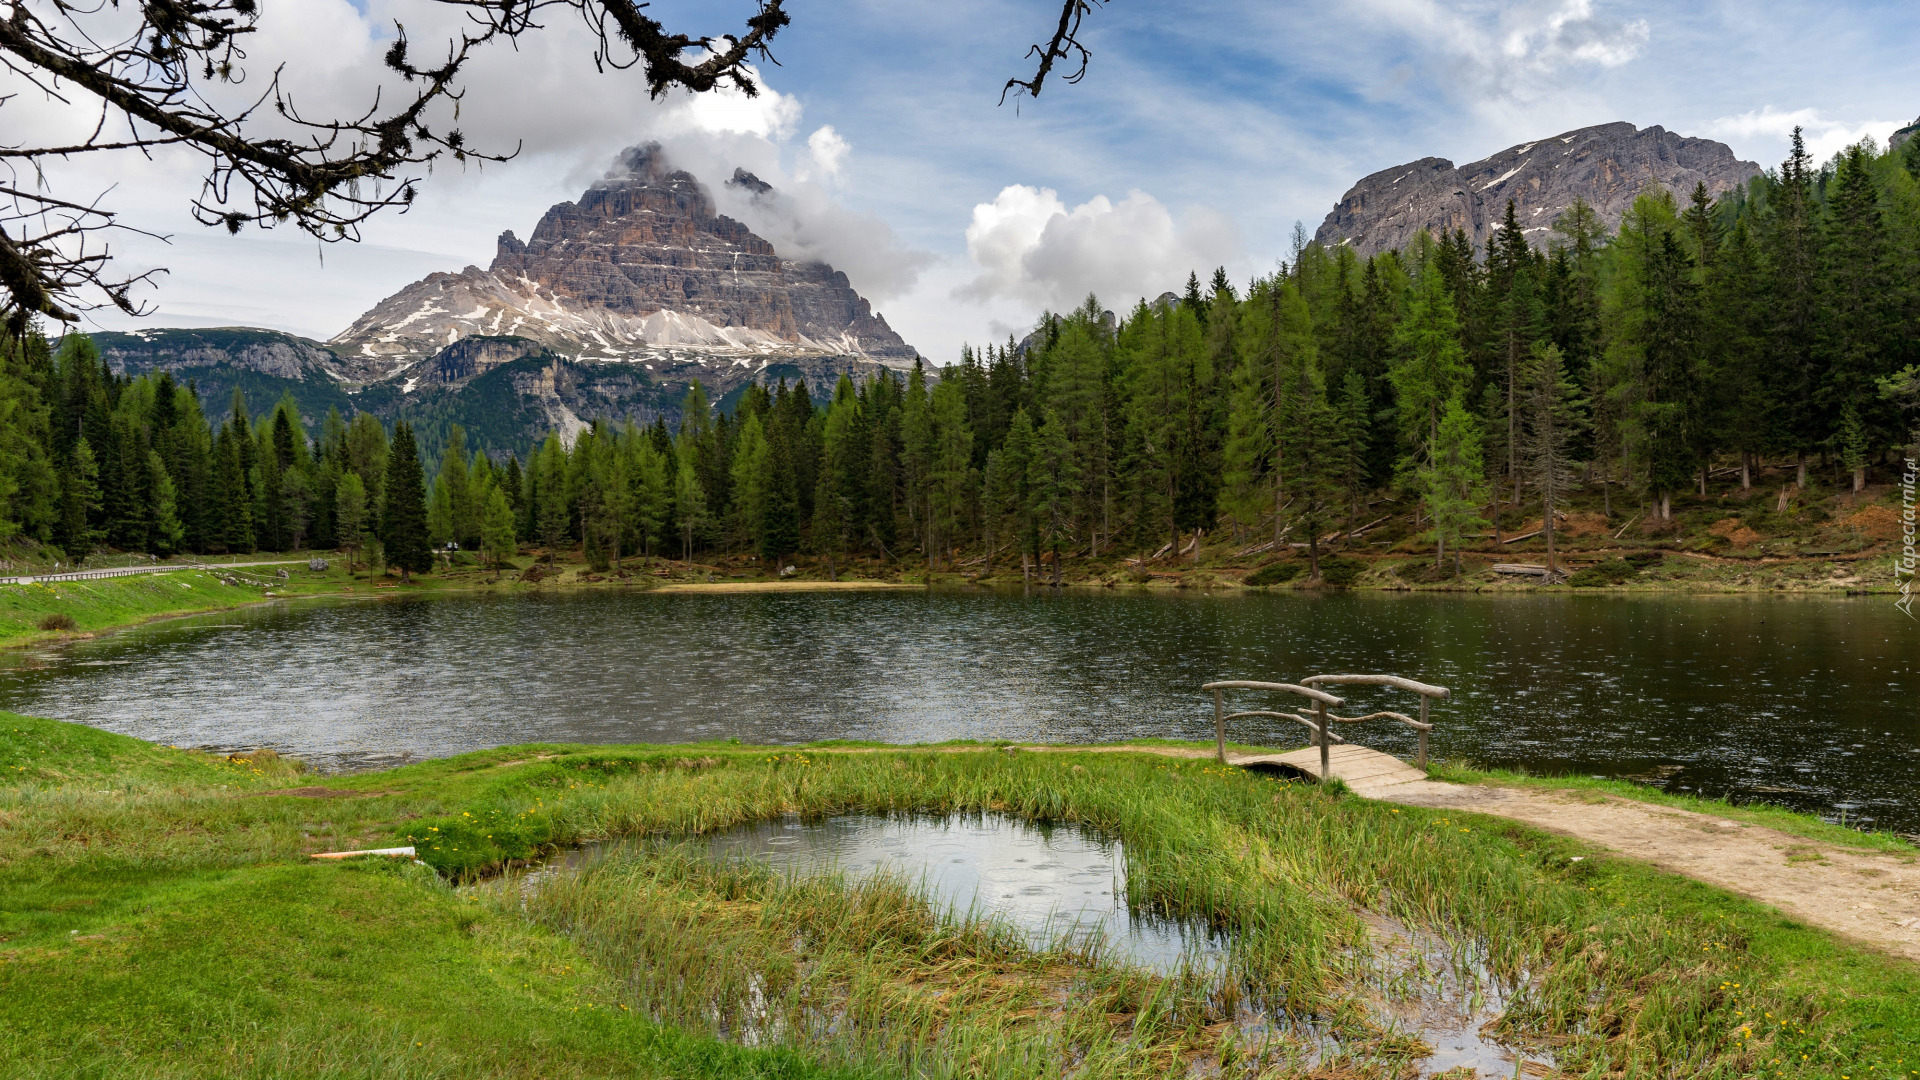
x=1376 y=578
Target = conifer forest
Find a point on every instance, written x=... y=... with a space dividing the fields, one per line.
x=1771 y=328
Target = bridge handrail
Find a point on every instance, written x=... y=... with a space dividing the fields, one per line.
x=1427 y=691
x=1423 y=689
x=1307 y=720
x=1320 y=698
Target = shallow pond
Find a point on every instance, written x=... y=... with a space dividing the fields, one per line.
x=1063 y=884
x=1813 y=704
x=1050 y=881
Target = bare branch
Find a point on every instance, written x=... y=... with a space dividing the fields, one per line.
x=1064 y=46
x=151 y=80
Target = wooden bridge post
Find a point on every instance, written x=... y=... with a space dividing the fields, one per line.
x=1422 y=763
x=1220 y=725
x=1320 y=714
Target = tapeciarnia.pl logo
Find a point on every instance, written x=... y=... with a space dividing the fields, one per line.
x=1903 y=565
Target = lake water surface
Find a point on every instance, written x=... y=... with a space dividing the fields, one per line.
x=1813 y=704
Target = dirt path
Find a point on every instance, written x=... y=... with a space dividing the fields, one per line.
x=1871 y=897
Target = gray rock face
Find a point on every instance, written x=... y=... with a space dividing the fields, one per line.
x=641 y=267
x=1899 y=138
x=1607 y=165
x=265 y=352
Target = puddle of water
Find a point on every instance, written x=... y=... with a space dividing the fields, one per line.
x=1453 y=1007
x=1049 y=881
x=1053 y=880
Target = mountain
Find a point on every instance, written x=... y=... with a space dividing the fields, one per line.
x=1899 y=138
x=642 y=270
x=1608 y=165
x=610 y=309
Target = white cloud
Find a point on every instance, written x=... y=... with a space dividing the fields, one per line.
x=826 y=150
x=1514 y=49
x=1824 y=137
x=1030 y=247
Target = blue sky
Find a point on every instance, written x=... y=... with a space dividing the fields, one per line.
x=1201 y=133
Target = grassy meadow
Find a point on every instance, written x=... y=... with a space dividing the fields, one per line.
x=159 y=917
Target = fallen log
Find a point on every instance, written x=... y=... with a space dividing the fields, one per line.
x=1526 y=569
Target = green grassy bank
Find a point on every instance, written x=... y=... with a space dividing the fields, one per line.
x=159 y=917
x=60 y=609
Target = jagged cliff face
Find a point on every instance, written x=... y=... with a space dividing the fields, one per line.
x=640 y=269
x=1607 y=165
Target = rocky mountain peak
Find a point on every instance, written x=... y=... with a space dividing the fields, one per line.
x=1608 y=165
x=641 y=268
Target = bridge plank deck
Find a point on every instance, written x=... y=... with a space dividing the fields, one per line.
x=1366 y=771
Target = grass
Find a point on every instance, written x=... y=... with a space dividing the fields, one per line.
x=158 y=917
x=107 y=603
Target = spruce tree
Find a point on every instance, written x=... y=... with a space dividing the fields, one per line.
x=1431 y=369
x=1554 y=415
x=689 y=503
x=498 y=531
x=403 y=520
x=350 y=527
x=1452 y=483
x=779 y=513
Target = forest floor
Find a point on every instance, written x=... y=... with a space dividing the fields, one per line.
x=160 y=915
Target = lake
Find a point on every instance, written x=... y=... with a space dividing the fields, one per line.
x=1808 y=703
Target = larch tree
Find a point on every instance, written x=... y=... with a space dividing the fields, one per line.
x=1554 y=414
x=351 y=516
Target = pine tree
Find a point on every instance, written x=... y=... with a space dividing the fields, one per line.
x=350 y=509
x=780 y=512
x=750 y=470
x=1453 y=483
x=689 y=503
x=1009 y=523
x=498 y=532
x=1431 y=369
x=1554 y=415
x=1311 y=441
x=1053 y=484
x=950 y=476
x=548 y=480
x=403 y=520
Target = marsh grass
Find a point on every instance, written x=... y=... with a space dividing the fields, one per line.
x=1618 y=979
x=143 y=883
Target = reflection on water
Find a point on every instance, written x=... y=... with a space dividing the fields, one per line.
x=1047 y=880
x=1808 y=703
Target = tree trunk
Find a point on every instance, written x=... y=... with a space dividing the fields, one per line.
x=1703 y=479
x=1746 y=471
x=1666 y=506
x=1800 y=474
x=1859 y=479
x=1198 y=535
x=1313 y=554
x=1547 y=527
x=830 y=574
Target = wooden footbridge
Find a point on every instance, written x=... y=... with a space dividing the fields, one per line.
x=1367 y=772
